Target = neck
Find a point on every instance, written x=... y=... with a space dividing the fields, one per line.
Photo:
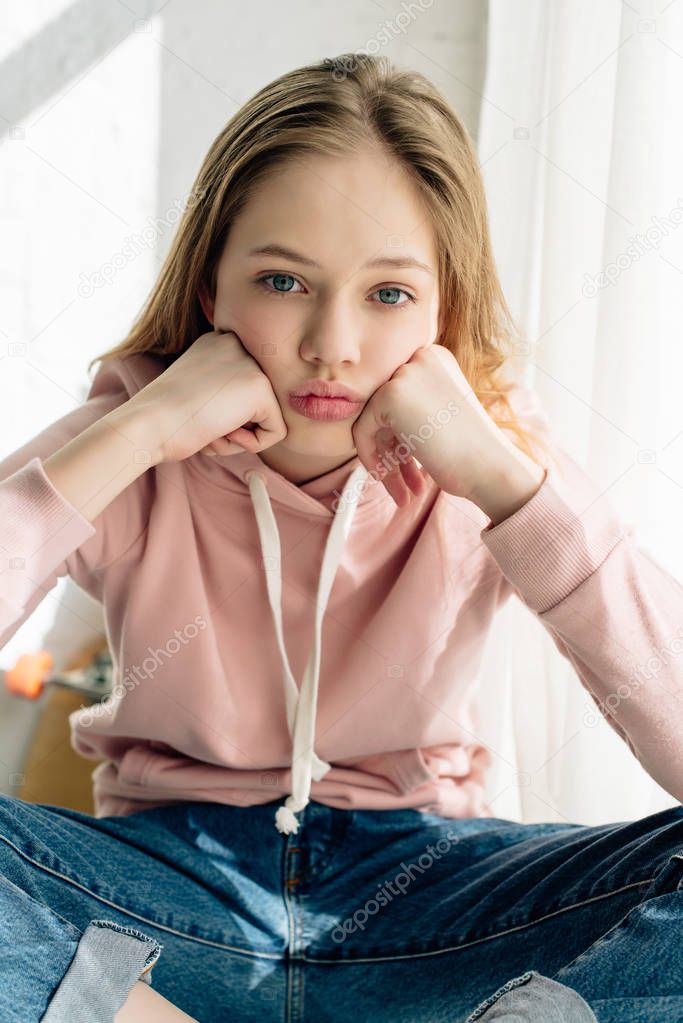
x=298 y=468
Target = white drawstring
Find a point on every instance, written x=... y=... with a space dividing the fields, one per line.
x=301 y=705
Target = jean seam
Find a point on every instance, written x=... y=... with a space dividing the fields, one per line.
x=76 y=932
x=498 y=994
x=338 y=837
x=620 y=923
x=489 y=937
x=138 y=916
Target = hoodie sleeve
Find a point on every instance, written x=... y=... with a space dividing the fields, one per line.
x=42 y=535
x=611 y=609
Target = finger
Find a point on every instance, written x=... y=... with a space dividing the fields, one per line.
x=268 y=428
x=413 y=476
x=389 y=466
x=364 y=433
x=247 y=438
x=392 y=474
x=396 y=488
x=220 y=447
x=407 y=479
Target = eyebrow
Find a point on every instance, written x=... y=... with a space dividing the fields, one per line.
x=398 y=261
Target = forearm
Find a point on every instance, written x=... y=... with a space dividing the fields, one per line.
x=97 y=465
x=510 y=482
x=90 y=471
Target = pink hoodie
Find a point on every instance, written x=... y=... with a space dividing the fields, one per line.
x=275 y=640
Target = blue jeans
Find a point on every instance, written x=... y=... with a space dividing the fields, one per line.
x=385 y=915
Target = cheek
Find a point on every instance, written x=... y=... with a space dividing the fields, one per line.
x=396 y=348
x=244 y=304
x=258 y=328
x=270 y=326
x=381 y=361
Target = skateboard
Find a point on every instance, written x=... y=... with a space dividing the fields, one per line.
x=33 y=672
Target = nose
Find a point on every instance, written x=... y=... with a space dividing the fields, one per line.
x=331 y=336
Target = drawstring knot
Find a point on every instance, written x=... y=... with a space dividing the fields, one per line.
x=285 y=821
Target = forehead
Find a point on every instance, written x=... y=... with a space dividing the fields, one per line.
x=337 y=209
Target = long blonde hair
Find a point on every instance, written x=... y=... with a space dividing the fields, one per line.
x=329 y=108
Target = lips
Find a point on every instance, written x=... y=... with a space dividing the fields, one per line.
x=312 y=406
x=326 y=389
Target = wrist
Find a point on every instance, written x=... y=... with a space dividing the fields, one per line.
x=142 y=429
x=510 y=483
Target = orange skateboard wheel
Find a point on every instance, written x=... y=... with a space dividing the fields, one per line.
x=28 y=676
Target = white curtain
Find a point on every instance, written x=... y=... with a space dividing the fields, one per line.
x=582 y=156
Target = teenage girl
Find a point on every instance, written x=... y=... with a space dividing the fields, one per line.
x=301 y=488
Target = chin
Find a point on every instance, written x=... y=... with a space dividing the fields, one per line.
x=318 y=439
x=318 y=431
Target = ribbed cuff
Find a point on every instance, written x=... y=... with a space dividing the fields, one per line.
x=556 y=540
x=108 y=961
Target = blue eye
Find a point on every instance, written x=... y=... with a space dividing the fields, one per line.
x=395 y=291
x=281 y=279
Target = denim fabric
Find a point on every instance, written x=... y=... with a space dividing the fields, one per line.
x=383 y=915
x=87 y=992
x=532 y=996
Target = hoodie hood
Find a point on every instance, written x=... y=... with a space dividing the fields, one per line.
x=335 y=495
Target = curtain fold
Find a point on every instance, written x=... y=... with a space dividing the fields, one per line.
x=581 y=155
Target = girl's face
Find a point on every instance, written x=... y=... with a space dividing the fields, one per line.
x=315 y=281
